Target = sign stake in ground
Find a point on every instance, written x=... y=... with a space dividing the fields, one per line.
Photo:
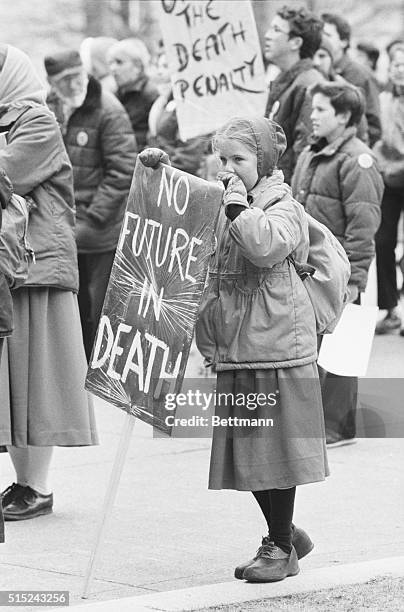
x=110 y=495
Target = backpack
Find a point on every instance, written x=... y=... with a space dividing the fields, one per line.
x=325 y=275
x=15 y=252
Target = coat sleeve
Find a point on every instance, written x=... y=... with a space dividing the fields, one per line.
x=118 y=149
x=362 y=191
x=35 y=151
x=302 y=127
x=372 y=111
x=267 y=237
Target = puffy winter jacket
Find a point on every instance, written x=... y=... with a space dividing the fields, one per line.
x=256 y=312
x=102 y=149
x=340 y=185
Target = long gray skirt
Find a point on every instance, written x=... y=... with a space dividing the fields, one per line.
x=279 y=443
x=42 y=397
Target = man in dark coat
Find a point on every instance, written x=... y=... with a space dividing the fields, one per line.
x=102 y=149
x=338 y=32
x=129 y=62
x=290 y=43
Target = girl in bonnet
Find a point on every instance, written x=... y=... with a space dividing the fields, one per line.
x=256 y=329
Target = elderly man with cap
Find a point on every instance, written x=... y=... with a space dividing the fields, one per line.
x=102 y=149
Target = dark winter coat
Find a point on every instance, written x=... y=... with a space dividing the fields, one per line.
x=137 y=98
x=340 y=185
x=361 y=77
x=36 y=162
x=187 y=156
x=102 y=149
x=256 y=312
x=389 y=150
x=289 y=104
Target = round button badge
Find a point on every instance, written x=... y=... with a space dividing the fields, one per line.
x=82 y=139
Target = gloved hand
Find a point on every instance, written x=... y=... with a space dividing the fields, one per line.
x=152 y=157
x=353 y=293
x=235 y=196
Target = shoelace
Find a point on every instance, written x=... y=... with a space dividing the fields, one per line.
x=13 y=488
x=269 y=551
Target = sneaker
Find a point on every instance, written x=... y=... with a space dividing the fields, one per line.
x=27 y=504
x=11 y=493
x=300 y=541
x=272 y=564
x=334 y=443
x=389 y=324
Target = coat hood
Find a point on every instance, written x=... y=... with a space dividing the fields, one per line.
x=269 y=139
x=271 y=144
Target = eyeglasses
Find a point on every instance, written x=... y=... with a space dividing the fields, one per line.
x=277 y=30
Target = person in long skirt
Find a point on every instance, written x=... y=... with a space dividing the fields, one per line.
x=256 y=328
x=42 y=398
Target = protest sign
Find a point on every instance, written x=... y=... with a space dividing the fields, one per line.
x=215 y=58
x=145 y=331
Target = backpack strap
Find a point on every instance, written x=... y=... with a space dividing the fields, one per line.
x=304 y=270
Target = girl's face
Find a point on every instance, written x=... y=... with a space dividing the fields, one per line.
x=238 y=158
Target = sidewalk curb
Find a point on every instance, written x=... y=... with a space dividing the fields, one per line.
x=237 y=592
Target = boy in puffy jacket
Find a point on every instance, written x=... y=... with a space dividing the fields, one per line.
x=337 y=180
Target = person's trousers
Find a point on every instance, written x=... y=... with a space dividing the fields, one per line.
x=340 y=400
x=386 y=242
x=94 y=272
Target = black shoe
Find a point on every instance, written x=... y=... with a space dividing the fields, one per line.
x=11 y=493
x=300 y=541
x=389 y=324
x=272 y=564
x=28 y=504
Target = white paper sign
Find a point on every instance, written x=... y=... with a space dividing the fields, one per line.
x=215 y=57
x=346 y=351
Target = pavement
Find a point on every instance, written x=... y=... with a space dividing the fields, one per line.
x=176 y=543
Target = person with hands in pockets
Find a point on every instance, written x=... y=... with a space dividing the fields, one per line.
x=338 y=181
x=256 y=328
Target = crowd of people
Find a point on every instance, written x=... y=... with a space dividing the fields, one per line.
x=330 y=143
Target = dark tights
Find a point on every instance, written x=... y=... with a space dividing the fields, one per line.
x=277 y=507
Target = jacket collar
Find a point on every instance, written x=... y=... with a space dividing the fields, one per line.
x=273 y=184
x=343 y=63
x=93 y=97
x=322 y=147
x=285 y=79
x=133 y=86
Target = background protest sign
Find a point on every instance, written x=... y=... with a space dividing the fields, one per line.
x=214 y=54
x=145 y=331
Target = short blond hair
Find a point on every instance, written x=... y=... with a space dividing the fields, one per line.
x=134 y=48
